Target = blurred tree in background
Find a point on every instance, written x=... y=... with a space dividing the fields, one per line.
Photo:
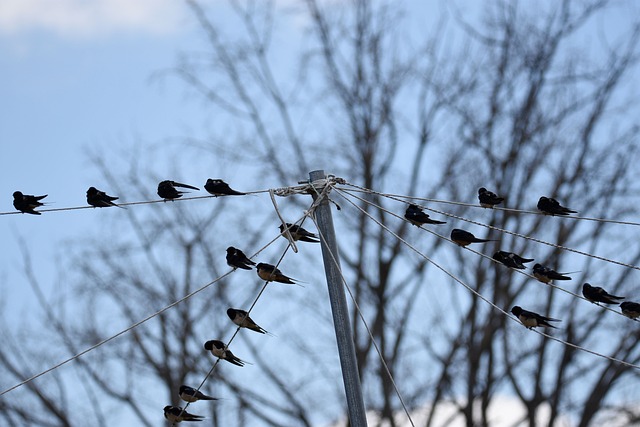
x=525 y=101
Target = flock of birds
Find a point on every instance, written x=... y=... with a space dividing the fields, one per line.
x=170 y=190
x=548 y=206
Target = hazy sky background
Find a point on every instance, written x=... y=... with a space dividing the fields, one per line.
x=79 y=74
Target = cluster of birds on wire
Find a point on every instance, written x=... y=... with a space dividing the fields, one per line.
x=170 y=190
x=548 y=206
x=235 y=258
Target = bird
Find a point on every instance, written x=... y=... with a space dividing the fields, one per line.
x=488 y=199
x=464 y=238
x=417 y=217
x=190 y=394
x=237 y=259
x=100 y=199
x=176 y=414
x=546 y=275
x=270 y=273
x=531 y=319
x=551 y=206
x=596 y=294
x=242 y=319
x=167 y=189
x=511 y=260
x=217 y=348
x=218 y=187
x=630 y=309
x=299 y=233
x=26 y=203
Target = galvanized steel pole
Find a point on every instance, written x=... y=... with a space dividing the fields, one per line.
x=344 y=337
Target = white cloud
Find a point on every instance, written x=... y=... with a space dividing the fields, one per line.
x=83 y=18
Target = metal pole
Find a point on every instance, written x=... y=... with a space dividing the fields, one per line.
x=346 y=347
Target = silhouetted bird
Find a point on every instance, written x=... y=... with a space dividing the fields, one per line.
x=237 y=259
x=167 y=189
x=546 y=275
x=630 y=309
x=190 y=394
x=242 y=319
x=100 y=199
x=299 y=233
x=551 y=206
x=488 y=199
x=511 y=260
x=270 y=273
x=596 y=294
x=464 y=238
x=176 y=414
x=417 y=217
x=531 y=319
x=26 y=203
x=217 y=348
x=218 y=187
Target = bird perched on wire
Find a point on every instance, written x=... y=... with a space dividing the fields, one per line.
x=630 y=309
x=26 y=203
x=531 y=319
x=596 y=294
x=217 y=348
x=190 y=394
x=488 y=199
x=551 y=206
x=176 y=414
x=237 y=259
x=270 y=273
x=242 y=319
x=547 y=275
x=168 y=191
x=299 y=233
x=100 y=199
x=464 y=238
x=511 y=260
x=218 y=187
x=417 y=217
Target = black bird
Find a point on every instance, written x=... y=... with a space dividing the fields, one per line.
x=531 y=319
x=551 y=206
x=596 y=294
x=242 y=319
x=218 y=187
x=237 y=259
x=299 y=233
x=176 y=414
x=217 y=348
x=167 y=189
x=270 y=273
x=190 y=394
x=488 y=199
x=26 y=203
x=464 y=238
x=546 y=275
x=630 y=309
x=417 y=217
x=100 y=199
x=511 y=260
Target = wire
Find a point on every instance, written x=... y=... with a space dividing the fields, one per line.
x=373 y=341
x=473 y=205
x=476 y=293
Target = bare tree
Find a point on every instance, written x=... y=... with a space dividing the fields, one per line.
x=510 y=102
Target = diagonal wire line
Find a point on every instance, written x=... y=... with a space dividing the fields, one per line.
x=553 y=285
x=474 y=205
x=476 y=293
x=533 y=239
